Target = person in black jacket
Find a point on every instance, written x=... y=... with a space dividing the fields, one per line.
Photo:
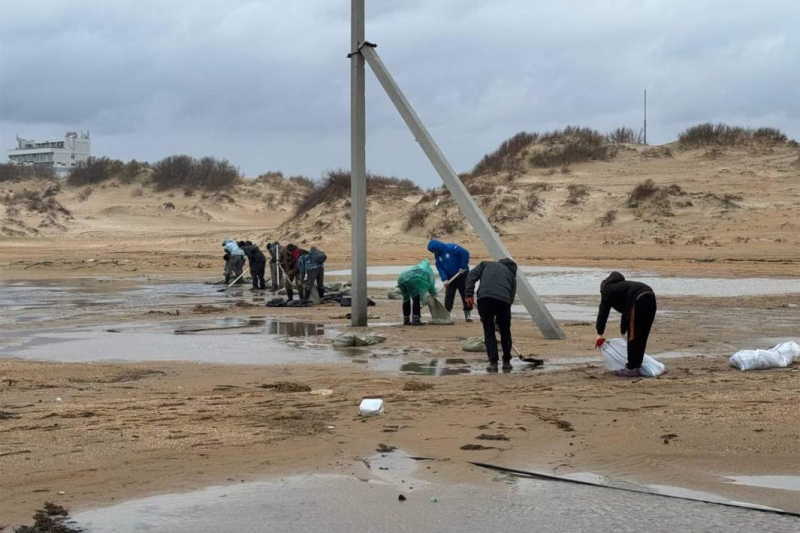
x=637 y=303
x=496 y=293
x=258 y=264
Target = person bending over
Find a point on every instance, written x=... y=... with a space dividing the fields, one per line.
x=291 y=269
x=452 y=262
x=637 y=303
x=496 y=293
x=258 y=263
x=235 y=263
x=312 y=271
x=414 y=283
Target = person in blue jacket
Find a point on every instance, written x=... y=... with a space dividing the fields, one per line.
x=235 y=262
x=452 y=262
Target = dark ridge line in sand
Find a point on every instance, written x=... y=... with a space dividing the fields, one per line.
x=551 y=477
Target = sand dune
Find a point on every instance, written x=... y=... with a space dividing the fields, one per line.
x=715 y=206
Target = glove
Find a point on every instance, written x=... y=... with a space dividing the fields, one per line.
x=599 y=343
x=470 y=301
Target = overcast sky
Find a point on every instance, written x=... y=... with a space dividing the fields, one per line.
x=265 y=83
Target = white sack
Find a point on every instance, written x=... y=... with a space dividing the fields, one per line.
x=615 y=354
x=780 y=356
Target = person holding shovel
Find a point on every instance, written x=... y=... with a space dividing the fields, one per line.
x=452 y=262
x=414 y=283
x=257 y=261
x=291 y=269
x=312 y=271
x=496 y=293
x=235 y=262
x=637 y=303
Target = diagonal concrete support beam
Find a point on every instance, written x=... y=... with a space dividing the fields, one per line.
x=536 y=308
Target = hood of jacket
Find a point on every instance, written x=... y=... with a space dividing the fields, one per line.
x=435 y=247
x=512 y=266
x=614 y=277
x=232 y=248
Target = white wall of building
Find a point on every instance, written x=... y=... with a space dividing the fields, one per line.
x=62 y=155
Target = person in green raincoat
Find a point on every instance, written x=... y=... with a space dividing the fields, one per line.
x=414 y=283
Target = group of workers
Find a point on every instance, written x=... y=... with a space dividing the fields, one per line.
x=298 y=268
x=497 y=288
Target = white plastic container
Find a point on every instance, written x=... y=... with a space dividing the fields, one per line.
x=615 y=354
x=371 y=407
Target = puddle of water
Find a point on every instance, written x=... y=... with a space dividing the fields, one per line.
x=666 y=490
x=439 y=367
x=26 y=302
x=568 y=281
x=51 y=301
x=769 y=482
x=433 y=368
x=342 y=504
x=566 y=312
x=260 y=325
x=204 y=341
x=397 y=468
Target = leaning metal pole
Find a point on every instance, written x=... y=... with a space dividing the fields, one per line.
x=491 y=240
x=358 y=181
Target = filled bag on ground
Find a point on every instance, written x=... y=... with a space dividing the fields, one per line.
x=615 y=354
x=474 y=344
x=354 y=339
x=780 y=356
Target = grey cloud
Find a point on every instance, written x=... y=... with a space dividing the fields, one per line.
x=266 y=83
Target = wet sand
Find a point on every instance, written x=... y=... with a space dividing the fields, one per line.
x=130 y=429
x=370 y=500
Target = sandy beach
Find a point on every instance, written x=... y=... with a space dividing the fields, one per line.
x=85 y=429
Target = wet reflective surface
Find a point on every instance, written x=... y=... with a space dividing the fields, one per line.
x=369 y=501
x=575 y=281
x=31 y=303
x=769 y=482
x=234 y=340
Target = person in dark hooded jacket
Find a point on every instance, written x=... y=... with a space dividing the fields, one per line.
x=258 y=264
x=496 y=293
x=452 y=262
x=291 y=269
x=637 y=303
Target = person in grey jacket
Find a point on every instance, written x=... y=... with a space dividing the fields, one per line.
x=496 y=293
x=312 y=271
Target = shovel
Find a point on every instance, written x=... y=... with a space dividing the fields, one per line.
x=246 y=270
x=532 y=360
x=455 y=276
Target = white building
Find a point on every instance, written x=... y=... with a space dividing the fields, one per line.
x=60 y=155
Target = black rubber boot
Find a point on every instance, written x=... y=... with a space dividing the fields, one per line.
x=492 y=368
x=415 y=321
x=406 y=320
x=507 y=366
